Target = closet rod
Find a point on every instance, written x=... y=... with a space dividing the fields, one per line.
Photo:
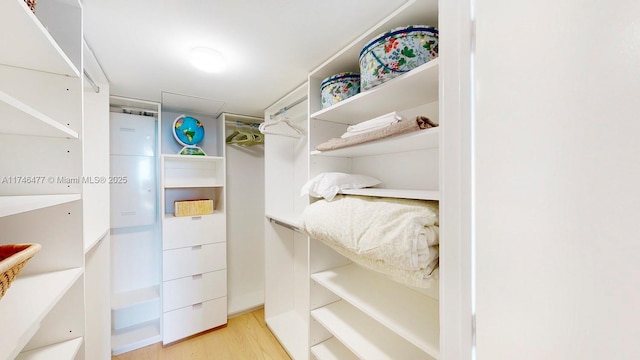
x=288 y=107
x=95 y=87
x=238 y=122
x=288 y=226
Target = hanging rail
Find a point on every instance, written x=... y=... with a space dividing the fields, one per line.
x=288 y=107
x=95 y=87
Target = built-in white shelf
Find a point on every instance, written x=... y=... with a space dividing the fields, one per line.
x=135 y=337
x=291 y=331
x=21 y=119
x=387 y=97
x=395 y=193
x=407 y=313
x=364 y=336
x=412 y=12
x=289 y=221
x=172 y=157
x=416 y=140
x=184 y=171
x=332 y=349
x=16 y=204
x=30 y=45
x=25 y=304
x=135 y=297
x=63 y=350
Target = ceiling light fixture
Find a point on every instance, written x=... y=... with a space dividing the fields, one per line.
x=208 y=60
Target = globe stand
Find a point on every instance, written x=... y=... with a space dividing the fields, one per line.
x=188 y=132
x=192 y=150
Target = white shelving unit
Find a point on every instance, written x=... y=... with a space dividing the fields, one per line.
x=369 y=293
x=41 y=102
x=194 y=269
x=286 y=297
x=135 y=218
x=338 y=309
x=34 y=122
x=36 y=49
x=10 y=205
x=362 y=334
x=64 y=350
x=29 y=299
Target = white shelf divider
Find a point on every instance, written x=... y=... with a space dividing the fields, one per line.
x=395 y=193
x=364 y=336
x=407 y=313
x=130 y=298
x=16 y=204
x=382 y=99
x=290 y=330
x=332 y=349
x=63 y=350
x=25 y=304
x=31 y=46
x=416 y=140
x=31 y=121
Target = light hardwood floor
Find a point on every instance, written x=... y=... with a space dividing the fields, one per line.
x=244 y=337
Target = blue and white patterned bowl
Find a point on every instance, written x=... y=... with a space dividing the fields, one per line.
x=396 y=52
x=338 y=87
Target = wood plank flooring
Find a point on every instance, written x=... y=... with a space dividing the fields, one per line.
x=245 y=337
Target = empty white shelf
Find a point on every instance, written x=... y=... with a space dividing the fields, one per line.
x=63 y=350
x=135 y=337
x=179 y=158
x=27 y=302
x=408 y=313
x=32 y=121
x=10 y=205
x=384 y=98
x=332 y=349
x=291 y=330
x=30 y=44
x=395 y=193
x=364 y=336
x=130 y=298
x=416 y=140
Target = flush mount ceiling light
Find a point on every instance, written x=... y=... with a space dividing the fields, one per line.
x=208 y=60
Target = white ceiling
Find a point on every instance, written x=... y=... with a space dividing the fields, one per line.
x=271 y=45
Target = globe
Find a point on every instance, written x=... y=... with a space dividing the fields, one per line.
x=188 y=131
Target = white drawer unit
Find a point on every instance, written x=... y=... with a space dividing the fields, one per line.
x=185 y=231
x=194 y=289
x=193 y=319
x=183 y=262
x=194 y=248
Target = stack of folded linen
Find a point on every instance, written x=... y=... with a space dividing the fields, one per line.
x=373 y=124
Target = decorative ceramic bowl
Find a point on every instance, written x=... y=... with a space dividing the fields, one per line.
x=338 y=87
x=396 y=52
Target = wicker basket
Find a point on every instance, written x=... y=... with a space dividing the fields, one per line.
x=12 y=260
x=31 y=4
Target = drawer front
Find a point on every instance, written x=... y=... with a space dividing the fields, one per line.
x=184 y=231
x=183 y=262
x=193 y=290
x=193 y=319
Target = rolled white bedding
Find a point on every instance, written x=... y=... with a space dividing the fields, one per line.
x=396 y=236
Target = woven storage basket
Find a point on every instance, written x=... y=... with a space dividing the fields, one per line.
x=31 y=4
x=12 y=260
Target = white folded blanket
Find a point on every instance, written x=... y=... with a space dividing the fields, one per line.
x=376 y=123
x=395 y=233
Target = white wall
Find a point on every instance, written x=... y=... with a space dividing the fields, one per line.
x=245 y=226
x=557 y=179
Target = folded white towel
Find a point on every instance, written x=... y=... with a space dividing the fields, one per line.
x=358 y=132
x=390 y=118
